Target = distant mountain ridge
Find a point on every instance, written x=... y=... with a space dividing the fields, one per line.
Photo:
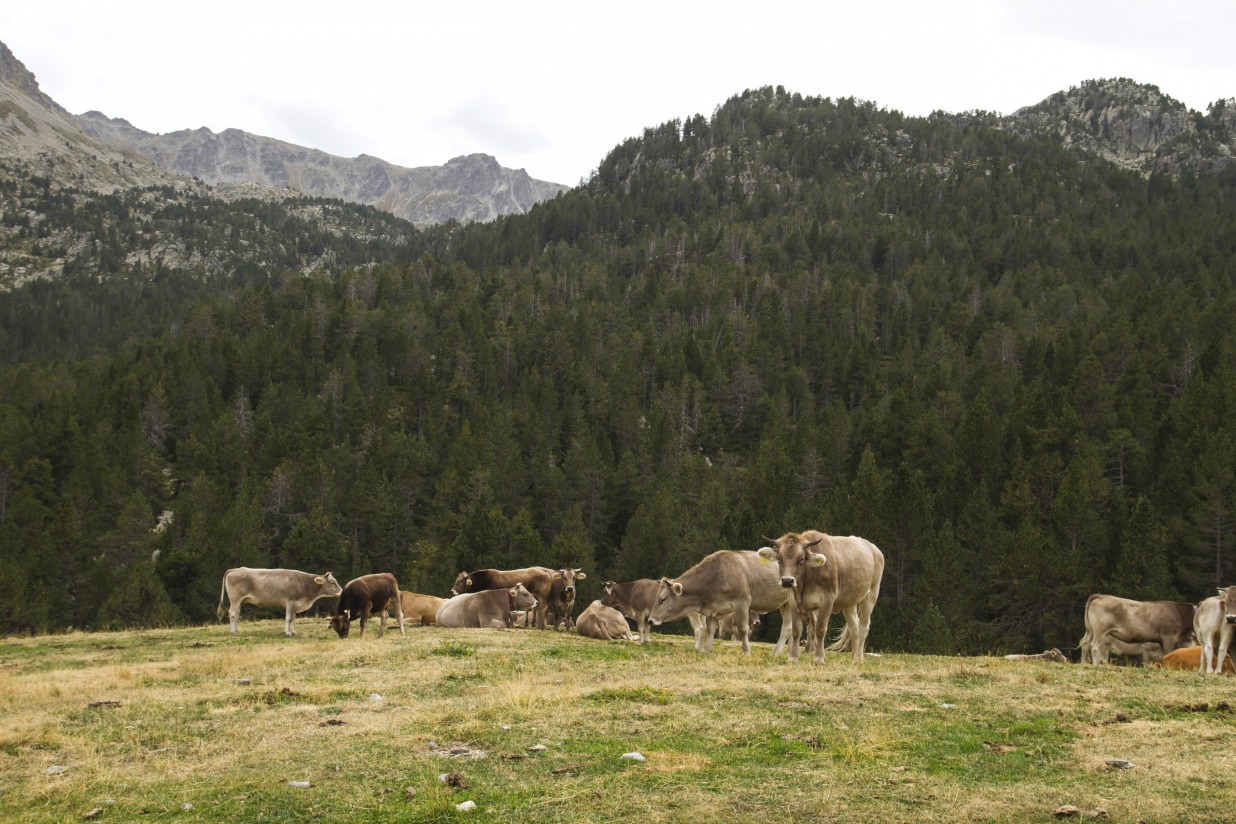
x=467 y=188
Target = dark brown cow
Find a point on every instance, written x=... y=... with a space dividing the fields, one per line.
x=562 y=597
x=634 y=599
x=419 y=609
x=291 y=589
x=605 y=623
x=830 y=574
x=728 y=581
x=537 y=580
x=491 y=608
x=365 y=596
x=1110 y=619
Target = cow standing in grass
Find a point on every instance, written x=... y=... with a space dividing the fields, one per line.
x=1213 y=624
x=291 y=589
x=365 y=596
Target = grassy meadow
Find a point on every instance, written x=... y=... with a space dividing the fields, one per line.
x=193 y=725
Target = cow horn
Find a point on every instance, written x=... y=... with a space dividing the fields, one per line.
x=770 y=540
x=816 y=541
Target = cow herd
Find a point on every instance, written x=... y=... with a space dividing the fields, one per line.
x=807 y=577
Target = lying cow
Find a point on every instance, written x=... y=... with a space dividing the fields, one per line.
x=1052 y=655
x=364 y=596
x=1213 y=624
x=490 y=609
x=634 y=599
x=537 y=580
x=1110 y=619
x=291 y=589
x=1189 y=659
x=606 y=623
x=829 y=574
x=724 y=582
x=419 y=609
x=561 y=600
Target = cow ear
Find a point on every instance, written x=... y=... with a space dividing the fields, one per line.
x=766 y=554
x=818 y=560
x=319 y=580
x=468 y=582
x=609 y=587
x=580 y=575
x=677 y=587
x=557 y=575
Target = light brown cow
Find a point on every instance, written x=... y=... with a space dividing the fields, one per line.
x=291 y=589
x=490 y=608
x=1189 y=659
x=829 y=574
x=606 y=623
x=724 y=582
x=1213 y=624
x=537 y=580
x=419 y=609
x=364 y=596
x=634 y=599
x=1148 y=653
x=1109 y=619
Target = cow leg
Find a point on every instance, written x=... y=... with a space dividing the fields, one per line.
x=1225 y=642
x=787 y=626
x=742 y=626
x=823 y=615
x=399 y=615
x=233 y=614
x=853 y=620
x=1206 y=659
x=381 y=623
x=642 y=624
x=290 y=613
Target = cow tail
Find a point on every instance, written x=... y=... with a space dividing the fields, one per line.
x=843 y=642
x=222 y=595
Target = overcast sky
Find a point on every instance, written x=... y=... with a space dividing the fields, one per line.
x=551 y=86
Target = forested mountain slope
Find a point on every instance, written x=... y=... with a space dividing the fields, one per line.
x=1005 y=361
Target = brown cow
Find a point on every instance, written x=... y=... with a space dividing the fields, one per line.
x=606 y=623
x=829 y=574
x=490 y=608
x=291 y=589
x=724 y=582
x=1109 y=619
x=419 y=609
x=634 y=599
x=1148 y=653
x=537 y=580
x=1189 y=659
x=561 y=601
x=365 y=596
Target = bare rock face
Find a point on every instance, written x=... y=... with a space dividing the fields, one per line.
x=471 y=188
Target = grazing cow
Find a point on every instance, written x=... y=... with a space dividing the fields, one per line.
x=724 y=582
x=490 y=608
x=606 y=623
x=1109 y=619
x=537 y=580
x=419 y=609
x=291 y=589
x=561 y=601
x=829 y=574
x=1052 y=655
x=1214 y=624
x=1189 y=659
x=634 y=599
x=365 y=596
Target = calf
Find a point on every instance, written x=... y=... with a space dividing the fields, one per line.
x=605 y=623
x=490 y=608
x=1189 y=659
x=1214 y=624
x=365 y=596
x=291 y=589
x=634 y=599
x=419 y=609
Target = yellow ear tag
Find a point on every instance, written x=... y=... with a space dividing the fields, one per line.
x=763 y=559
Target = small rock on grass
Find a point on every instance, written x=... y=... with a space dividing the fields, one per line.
x=465 y=806
x=634 y=756
x=1067 y=811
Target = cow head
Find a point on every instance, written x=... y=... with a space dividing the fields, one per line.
x=463 y=583
x=341 y=623
x=330 y=587
x=568 y=577
x=1227 y=597
x=794 y=557
x=666 y=607
x=520 y=598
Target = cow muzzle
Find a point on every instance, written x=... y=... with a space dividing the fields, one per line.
x=788 y=581
x=570 y=590
x=1231 y=619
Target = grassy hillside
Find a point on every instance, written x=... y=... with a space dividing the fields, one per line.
x=902 y=738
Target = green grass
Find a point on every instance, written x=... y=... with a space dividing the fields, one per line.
x=224 y=724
